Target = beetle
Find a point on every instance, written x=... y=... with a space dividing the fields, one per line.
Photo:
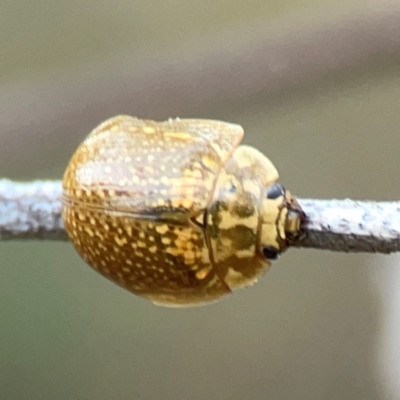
x=177 y=212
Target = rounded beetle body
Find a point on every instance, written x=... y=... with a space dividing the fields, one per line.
x=176 y=211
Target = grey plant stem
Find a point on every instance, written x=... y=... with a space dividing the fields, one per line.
x=32 y=210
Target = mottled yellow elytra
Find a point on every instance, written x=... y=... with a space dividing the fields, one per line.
x=176 y=211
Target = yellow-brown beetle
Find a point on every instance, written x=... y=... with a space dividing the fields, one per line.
x=176 y=211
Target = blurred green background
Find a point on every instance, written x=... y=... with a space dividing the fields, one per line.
x=311 y=328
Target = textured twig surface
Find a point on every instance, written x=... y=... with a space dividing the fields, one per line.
x=33 y=211
x=352 y=226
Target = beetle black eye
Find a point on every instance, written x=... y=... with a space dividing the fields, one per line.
x=275 y=191
x=270 y=253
